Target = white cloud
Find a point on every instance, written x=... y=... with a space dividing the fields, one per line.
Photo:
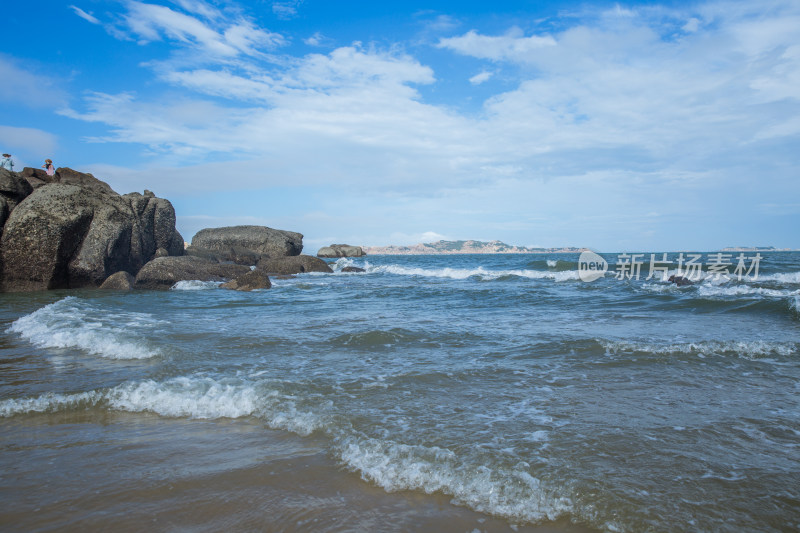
x=84 y=15
x=219 y=36
x=481 y=77
x=509 y=47
x=316 y=40
x=286 y=9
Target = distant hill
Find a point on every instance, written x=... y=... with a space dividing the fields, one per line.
x=463 y=247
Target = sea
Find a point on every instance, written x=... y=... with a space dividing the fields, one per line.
x=442 y=393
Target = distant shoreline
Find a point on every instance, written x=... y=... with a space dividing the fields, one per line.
x=464 y=248
x=501 y=248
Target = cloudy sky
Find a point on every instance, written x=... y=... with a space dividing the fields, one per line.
x=631 y=126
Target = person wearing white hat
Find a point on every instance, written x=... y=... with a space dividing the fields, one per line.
x=7 y=163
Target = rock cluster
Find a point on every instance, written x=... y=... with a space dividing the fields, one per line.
x=341 y=250
x=72 y=230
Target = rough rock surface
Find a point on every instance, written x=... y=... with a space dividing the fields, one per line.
x=341 y=250
x=353 y=269
x=65 y=236
x=255 y=279
x=164 y=272
x=119 y=281
x=245 y=245
x=680 y=281
x=294 y=265
x=13 y=189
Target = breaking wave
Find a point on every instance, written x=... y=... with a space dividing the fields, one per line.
x=78 y=324
x=744 y=349
x=478 y=273
x=195 y=285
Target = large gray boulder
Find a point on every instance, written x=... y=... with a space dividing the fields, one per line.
x=293 y=265
x=13 y=189
x=245 y=245
x=341 y=250
x=119 y=281
x=164 y=272
x=67 y=236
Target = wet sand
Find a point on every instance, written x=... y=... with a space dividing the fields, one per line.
x=99 y=470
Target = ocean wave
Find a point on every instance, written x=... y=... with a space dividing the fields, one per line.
x=48 y=403
x=744 y=349
x=511 y=493
x=76 y=323
x=480 y=273
x=714 y=291
x=191 y=397
x=792 y=278
x=195 y=285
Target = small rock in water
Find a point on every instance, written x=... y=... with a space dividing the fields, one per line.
x=680 y=281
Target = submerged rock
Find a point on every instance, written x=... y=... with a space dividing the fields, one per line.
x=680 y=281
x=245 y=245
x=341 y=250
x=255 y=279
x=294 y=265
x=164 y=272
x=353 y=269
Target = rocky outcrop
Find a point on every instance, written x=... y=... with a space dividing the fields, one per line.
x=294 y=265
x=680 y=281
x=353 y=269
x=340 y=250
x=255 y=279
x=75 y=231
x=164 y=272
x=245 y=245
x=13 y=189
x=119 y=281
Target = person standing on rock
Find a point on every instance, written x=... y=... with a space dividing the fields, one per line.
x=48 y=165
x=7 y=163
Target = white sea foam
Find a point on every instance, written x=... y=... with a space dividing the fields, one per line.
x=184 y=396
x=745 y=349
x=552 y=263
x=195 y=285
x=480 y=272
x=744 y=290
x=509 y=493
x=76 y=323
x=47 y=402
x=786 y=277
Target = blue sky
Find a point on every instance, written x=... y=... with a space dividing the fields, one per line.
x=618 y=126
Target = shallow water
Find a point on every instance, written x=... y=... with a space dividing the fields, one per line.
x=431 y=393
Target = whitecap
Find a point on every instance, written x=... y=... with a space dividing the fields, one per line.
x=552 y=263
x=186 y=396
x=75 y=323
x=47 y=403
x=480 y=273
x=744 y=290
x=745 y=349
x=195 y=285
x=511 y=493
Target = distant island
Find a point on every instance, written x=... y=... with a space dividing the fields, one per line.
x=463 y=247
